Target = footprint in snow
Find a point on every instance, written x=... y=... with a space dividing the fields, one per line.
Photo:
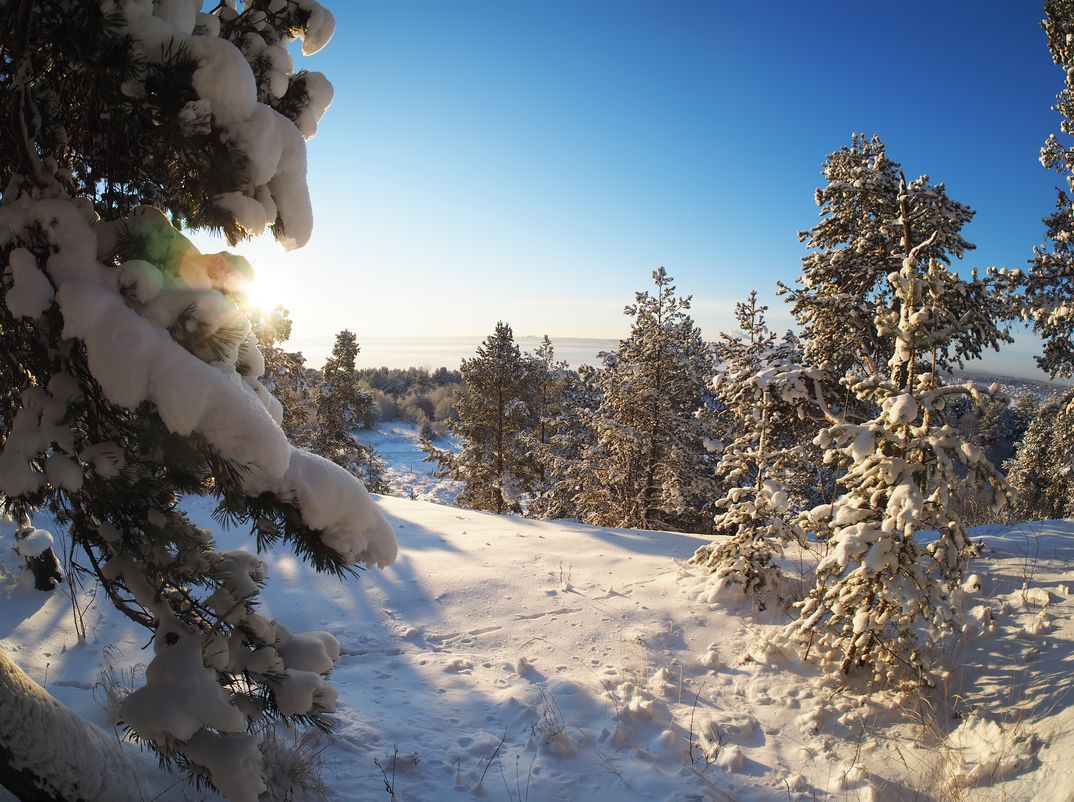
x=459 y=666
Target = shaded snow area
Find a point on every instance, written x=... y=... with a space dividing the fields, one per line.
x=407 y=475
x=509 y=659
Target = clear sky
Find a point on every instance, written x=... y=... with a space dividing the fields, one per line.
x=535 y=161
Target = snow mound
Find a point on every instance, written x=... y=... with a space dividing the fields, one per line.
x=981 y=750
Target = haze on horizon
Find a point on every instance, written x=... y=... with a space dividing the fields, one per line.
x=534 y=162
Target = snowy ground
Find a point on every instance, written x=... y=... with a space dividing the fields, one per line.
x=520 y=660
x=407 y=474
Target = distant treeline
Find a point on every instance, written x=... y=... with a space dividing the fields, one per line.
x=416 y=395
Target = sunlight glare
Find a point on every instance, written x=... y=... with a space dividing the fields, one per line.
x=266 y=290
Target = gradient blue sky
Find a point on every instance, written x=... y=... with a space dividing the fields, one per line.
x=535 y=161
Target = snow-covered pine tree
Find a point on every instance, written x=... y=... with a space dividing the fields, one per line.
x=1002 y=426
x=648 y=467
x=844 y=283
x=344 y=405
x=286 y=375
x=565 y=430
x=129 y=375
x=1041 y=472
x=883 y=598
x=1049 y=292
x=765 y=438
x=495 y=415
x=548 y=379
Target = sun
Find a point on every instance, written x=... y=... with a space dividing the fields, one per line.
x=265 y=291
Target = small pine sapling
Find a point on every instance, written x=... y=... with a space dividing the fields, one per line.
x=761 y=419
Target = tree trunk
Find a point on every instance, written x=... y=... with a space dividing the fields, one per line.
x=48 y=752
x=46 y=570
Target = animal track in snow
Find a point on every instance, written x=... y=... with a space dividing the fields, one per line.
x=560 y=611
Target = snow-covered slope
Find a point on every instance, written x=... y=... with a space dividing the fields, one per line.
x=407 y=473
x=525 y=660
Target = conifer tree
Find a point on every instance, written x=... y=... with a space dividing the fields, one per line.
x=765 y=438
x=495 y=416
x=1040 y=472
x=342 y=407
x=547 y=378
x=882 y=599
x=1049 y=292
x=130 y=377
x=1001 y=427
x=565 y=432
x=286 y=375
x=858 y=242
x=648 y=467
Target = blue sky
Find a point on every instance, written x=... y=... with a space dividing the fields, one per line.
x=535 y=161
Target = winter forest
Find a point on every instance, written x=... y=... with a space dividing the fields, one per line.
x=764 y=563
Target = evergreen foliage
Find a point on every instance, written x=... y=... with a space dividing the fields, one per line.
x=869 y=211
x=1002 y=427
x=567 y=400
x=765 y=457
x=495 y=415
x=883 y=599
x=343 y=406
x=286 y=375
x=130 y=377
x=102 y=91
x=1041 y=473
x=1050 y=283
x=648 y=467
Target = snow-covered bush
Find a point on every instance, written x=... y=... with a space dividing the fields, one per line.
x=885 y=595
x=130 y=375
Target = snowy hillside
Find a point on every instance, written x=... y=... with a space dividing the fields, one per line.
x=406 y=472
x=523 y=660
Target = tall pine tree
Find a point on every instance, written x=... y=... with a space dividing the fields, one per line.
x=857 y=243
x=495 y=460
x=648 y=467
x=343 y=406
x=1049 y=293
x=286 y=375
x=883 y=599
